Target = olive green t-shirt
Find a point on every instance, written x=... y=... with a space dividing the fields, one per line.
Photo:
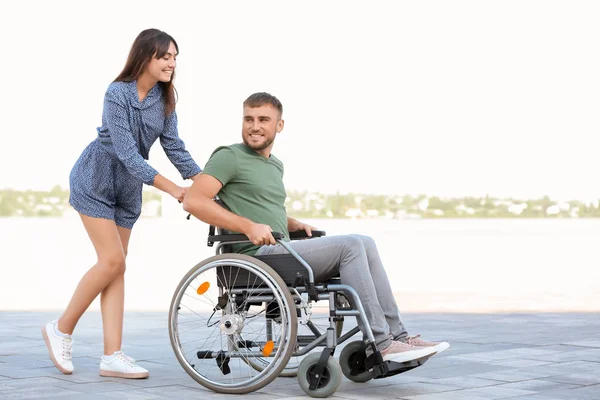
x=252 y=187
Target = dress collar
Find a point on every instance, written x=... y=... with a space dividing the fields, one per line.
x=152 y=97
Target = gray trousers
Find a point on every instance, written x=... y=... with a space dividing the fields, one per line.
x=356 y=260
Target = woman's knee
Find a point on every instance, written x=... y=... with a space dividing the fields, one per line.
x=113 y=264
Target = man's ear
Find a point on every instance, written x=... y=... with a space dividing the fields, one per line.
x=280 y=125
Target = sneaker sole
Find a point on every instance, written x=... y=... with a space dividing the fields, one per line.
x=114 y=374
x=56 y=364
x=441 y=347
x=409 y=355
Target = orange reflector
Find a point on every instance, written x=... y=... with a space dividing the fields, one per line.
x=203 y=288
x=268 y=349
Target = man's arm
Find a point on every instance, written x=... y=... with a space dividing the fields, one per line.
x=194 y=177
x=199 y=202
x=295 y=225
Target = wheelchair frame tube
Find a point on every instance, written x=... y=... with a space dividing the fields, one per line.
x=306 y=349
x=311 y=345
x=293 y=252
x=221 y=244
x=331 y=332
x=352 y=292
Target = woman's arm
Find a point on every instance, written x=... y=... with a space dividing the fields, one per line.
x=175 y=149
x=126 y=148
x=193 y=178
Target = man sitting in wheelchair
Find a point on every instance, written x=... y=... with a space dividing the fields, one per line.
x=248 y=180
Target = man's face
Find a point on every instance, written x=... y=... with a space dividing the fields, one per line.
x=260 y=126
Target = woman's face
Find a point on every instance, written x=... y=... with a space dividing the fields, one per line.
x=162 y=68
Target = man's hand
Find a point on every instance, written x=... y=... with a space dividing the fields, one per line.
x=295 y=226
x=260 y=234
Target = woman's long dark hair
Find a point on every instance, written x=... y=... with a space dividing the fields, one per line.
x=150 y=43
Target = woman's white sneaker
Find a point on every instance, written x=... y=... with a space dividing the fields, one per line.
x=120 y=365
x=59 y=347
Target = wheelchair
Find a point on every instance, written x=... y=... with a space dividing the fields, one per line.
x=237 y=322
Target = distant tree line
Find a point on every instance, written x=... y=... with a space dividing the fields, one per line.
x=44 y=203
x=352 y=205
x=54 y=202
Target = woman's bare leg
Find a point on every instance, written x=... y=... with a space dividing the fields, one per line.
x=111 y=265
x=112 y=301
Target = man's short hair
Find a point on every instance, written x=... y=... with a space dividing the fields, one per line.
x=262 y=98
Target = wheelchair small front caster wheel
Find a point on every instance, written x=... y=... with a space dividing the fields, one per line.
x=327 y=382
x=352 y=361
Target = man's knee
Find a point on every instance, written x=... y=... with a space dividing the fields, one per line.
x=353 y=245
x=367 y=241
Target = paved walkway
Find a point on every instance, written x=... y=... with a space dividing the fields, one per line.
x=493 y=356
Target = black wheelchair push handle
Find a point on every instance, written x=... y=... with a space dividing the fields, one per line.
x=238 y=237
x=302 y=234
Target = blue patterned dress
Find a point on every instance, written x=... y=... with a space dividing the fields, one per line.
x=107 y=179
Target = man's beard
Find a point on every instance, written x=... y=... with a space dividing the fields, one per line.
x=259 y=147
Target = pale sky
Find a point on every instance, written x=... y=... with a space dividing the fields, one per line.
x=445 y=97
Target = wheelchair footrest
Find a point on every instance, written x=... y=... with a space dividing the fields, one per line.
x=391 y=368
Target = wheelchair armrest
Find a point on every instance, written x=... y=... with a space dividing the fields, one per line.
x=302 y=235
x=238 y=237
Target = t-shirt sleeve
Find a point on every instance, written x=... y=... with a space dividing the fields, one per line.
x=221 y=165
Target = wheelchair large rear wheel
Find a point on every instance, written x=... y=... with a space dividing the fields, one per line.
x=218 y=323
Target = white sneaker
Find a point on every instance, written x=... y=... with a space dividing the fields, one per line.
x=122 y=366
x=402 y=352
x=418 y=342
x=59 y=347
